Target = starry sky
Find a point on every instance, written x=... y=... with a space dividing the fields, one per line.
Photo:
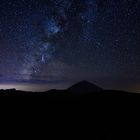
x=48 y=44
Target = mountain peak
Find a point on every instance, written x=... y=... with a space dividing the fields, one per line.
x=84 y=87
x=84 y=82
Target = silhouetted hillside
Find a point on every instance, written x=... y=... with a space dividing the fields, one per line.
x=84 y=87
x=81 y=91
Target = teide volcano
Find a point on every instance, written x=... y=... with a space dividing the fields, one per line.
x=84 y=87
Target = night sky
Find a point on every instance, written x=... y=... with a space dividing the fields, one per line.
x=48 y=44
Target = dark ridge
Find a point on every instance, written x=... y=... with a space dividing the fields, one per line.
x=85 y=87
x=83 y=92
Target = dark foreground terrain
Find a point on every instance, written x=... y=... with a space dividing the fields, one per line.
x=103 y=114
x=80 y=92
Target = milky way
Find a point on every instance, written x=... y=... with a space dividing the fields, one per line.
x=60 y=42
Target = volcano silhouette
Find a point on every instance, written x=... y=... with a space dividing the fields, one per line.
x=84 y=87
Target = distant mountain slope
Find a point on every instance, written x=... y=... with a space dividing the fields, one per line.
x=84 y=87
x=83 y=91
